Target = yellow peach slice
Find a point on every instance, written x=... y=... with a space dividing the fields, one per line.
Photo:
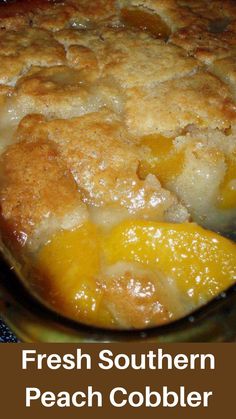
x=201 y=263
x=163 y=161
x=70 y=263
x=122 y=277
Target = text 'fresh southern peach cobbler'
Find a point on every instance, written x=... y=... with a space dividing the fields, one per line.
x=118 y=155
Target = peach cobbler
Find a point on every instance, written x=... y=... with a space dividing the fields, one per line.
x=118 y=155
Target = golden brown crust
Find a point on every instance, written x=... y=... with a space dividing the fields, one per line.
x=200 y=100
x=39 y=188
x=14 y=15
x=104 y=162
x=58 y=91
x=205 y=43
x=225 y=69
x=54 y=14
x=19 y=50
x=206 y=29
x=179 y=14
x=75 y=14
x=68 y=60
x=120 y=52
x=136 y=59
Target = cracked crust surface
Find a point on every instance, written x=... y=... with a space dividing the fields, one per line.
x=103 y=160
x=90 y=85
x=19 y=50
x=38 y=191
x=54 y=14
x=201 y=100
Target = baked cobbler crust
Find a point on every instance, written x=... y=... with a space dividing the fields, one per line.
x=37 y=169
x=116 y=112
x=74 y=59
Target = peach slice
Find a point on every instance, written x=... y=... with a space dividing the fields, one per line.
x=146 y=21
x=201 y=263
x=137 y=274
x=70 y=263
x=163 y=160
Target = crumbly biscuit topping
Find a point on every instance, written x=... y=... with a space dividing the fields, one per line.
x=69 y=61
x=113 y=112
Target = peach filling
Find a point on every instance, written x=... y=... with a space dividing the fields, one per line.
x=70 y=263
x=166 y=162
x=201 y=263
x=198 y=263
x=162 y=159
x=146 y=21
x=227 y=196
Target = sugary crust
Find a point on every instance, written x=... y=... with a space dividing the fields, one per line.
x=201 y=100
x=225 y=69
x=120 y=52
x=78 y=15
x=38 y=190
x=104 y=162
x=54 y=14
x=205 y=29
x=99 y=85
x=179 y=14
x=14 y=15
x=156 y=62
x=19 y=50
x=60 y=91
x=204 y=43
x=175 y=17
